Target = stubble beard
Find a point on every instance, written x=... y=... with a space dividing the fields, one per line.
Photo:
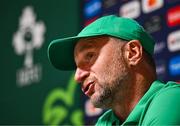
x=109 y=91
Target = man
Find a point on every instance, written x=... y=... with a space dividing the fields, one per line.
x=114 y=65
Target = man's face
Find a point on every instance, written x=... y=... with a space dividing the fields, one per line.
x=101 y=69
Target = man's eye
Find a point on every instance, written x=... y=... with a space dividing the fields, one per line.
x=89 y=56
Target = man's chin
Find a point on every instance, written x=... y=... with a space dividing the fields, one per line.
x=95 y=101
x=99 y=103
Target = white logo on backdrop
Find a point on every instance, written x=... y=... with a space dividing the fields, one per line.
x=151 y=5
x=30 y=36
x=131 y=9
x=173 y=41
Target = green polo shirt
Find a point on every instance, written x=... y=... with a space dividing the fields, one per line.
x=159 y=106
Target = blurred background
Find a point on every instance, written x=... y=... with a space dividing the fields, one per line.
x=32 y=91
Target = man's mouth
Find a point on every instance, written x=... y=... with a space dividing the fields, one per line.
x=88 y=88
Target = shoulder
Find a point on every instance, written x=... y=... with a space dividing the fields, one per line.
x=170 y=91
x=165 y=106
x=168 y=95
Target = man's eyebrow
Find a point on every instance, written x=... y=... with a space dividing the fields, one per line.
x=86 y=46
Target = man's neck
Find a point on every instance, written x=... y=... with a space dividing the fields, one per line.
x=138 y=87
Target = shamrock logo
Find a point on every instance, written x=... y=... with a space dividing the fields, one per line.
x=56 y=114
x=29 y=35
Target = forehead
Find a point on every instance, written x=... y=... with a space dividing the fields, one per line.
x=92 y=42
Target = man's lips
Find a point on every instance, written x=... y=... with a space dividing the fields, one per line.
x=88 y=88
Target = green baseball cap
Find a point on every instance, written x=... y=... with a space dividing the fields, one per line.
x=61 y=51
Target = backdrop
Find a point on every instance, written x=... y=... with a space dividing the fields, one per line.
x=161 y=18
x=31 y=90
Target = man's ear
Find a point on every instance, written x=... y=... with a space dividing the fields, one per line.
x=133 y=52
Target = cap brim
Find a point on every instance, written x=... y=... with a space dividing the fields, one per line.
x=61 y=53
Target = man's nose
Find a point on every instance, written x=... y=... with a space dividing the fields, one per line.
x=81 y=75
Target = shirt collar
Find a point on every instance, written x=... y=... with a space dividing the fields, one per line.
x=136 y=114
